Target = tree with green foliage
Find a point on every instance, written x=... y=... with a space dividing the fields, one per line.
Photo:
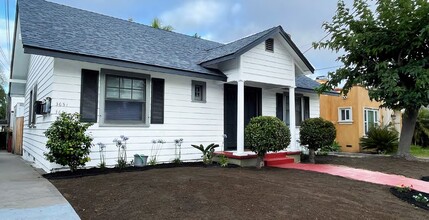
x=316 y=133
x=156 y=23
x=67 y=142
x=3 y=97
x=421 y=132
x=387 y=52
x=264 y=134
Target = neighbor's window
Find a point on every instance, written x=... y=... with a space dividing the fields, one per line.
x=345 y=114
x=125 y=99
x=269 y=45
x=370 y=119
x=198 y=91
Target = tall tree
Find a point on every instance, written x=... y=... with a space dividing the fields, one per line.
x=3 y=97
x=385 y=51
x=156 y=23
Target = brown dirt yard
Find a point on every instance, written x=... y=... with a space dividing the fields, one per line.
x=230 y=193
x=413 y=169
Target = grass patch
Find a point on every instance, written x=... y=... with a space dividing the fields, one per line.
x=418 y=151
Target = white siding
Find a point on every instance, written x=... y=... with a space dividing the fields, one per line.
x=196 y=123
x=40 y=72
x=268 y=102
x=259 y=65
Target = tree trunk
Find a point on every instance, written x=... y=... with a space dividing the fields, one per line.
x=259 y=162
x=409 y=119
x=311 y=156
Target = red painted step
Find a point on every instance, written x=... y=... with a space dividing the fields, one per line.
x=278 y=161
x=275 y=155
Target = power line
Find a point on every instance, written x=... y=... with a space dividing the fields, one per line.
x=330 y=67
x=3 y=55
x=317 y=42
x=8 y=27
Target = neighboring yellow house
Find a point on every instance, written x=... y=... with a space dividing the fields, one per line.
x=353 y=115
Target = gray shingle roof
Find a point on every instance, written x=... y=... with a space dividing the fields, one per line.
x=234 y=46
x=61 y=28
x=304 y=82
x=51 y=26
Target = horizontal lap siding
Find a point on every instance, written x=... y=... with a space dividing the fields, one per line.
x=276 y=67
x=196 y=123
x=40 y=71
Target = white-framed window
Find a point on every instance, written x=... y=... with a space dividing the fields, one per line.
x=345 y=114
x=370 y=119
x=125 y=98
x=198 y=91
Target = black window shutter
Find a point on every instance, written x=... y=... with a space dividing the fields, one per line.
x=287 y=109
x=279 y=106
x=306 y=107
x=89 y=96
x=157 y=102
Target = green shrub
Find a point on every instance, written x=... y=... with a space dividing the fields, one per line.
x=67 y=142
x=223 y=160
x=383 y=139
x=315 y=133
x=421 y=131
x=334 y=147
x=264 y=134
x=207 y=152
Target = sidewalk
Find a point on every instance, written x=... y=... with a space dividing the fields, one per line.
x=360 y=174
x=25 y=194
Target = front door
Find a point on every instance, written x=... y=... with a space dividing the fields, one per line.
x=252 y=108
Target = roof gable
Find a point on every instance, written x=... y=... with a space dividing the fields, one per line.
x=239 y=47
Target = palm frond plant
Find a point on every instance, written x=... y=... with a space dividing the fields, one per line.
x=382 y=139
x=207 y=152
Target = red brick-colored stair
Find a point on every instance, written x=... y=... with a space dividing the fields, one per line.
x=275 y=159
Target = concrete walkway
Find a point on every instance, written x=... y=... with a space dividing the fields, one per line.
x=360 y=174
x=25 y=194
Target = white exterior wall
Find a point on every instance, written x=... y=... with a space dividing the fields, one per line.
x=259 y=65
x=196 y=123
x=268 y=102
x=40 y=72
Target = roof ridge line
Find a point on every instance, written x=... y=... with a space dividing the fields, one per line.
x=242 y=39
x=132 y=22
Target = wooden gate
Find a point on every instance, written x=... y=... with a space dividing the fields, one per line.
x=17 y=135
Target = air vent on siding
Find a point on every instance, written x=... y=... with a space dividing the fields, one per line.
x=269 y=45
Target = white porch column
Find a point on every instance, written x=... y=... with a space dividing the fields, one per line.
x=240 y=118
x=292 y=122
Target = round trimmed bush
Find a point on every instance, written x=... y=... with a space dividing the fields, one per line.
x=316 y=133
x=264 y=134
x=67 y=142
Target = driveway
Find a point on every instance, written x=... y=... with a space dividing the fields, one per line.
x=25 y=194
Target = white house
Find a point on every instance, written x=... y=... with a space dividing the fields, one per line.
x=145 y=83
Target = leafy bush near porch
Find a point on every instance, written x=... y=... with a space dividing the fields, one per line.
x=67 y=142
x=383 y=139
x=315 y=133
x=264 y=134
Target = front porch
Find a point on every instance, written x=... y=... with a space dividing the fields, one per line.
x=249 y=160
x=244 y=100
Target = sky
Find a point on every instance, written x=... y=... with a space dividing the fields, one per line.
x=217 y=20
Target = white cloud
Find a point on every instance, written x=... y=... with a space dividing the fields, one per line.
x=195 y=14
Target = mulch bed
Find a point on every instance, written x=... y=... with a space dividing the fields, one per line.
x=197 y=192
x=407 y=196
x=391 y=165
x=99 y=171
